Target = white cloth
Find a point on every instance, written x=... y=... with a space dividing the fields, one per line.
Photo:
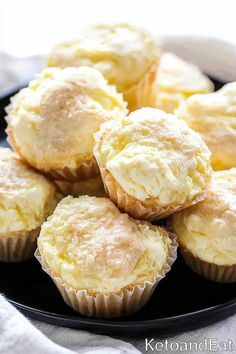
x=19 y=336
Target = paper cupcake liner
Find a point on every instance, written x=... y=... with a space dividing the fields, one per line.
x=211 y=271
x=137 y=209
x=86 y=170
x=18 y=246
x=142 y=94
x=92 y=186
x=127 y=301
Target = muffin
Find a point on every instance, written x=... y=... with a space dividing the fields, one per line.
x=127 y=57
x=92 y=186
x=104 y=263
x=176 y=81
x=213 y=115
x=27 y=198
x=52 y=121
x=207 y=231
x=152 y=163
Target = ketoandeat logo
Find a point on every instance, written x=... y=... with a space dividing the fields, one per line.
x=207 y=345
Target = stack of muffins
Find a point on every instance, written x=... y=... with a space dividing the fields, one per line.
x=127 y=135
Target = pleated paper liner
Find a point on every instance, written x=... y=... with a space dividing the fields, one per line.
x=91 y=186
x=127 y=301
x=137 y=209
x=18 y=246
x=87 y=169
x=210 y=271
x=142 y=94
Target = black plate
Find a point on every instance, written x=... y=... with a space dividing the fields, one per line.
x=183 y=300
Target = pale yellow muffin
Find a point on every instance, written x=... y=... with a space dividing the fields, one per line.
x=52 y=121
x=176 y=81
x=91 y=246
x=207 y=230
x=91 y=186
x=27 y=199
x=127 y=56
x=152 y=163
x=213 y=115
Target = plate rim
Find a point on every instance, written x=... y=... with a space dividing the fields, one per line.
x=133 y=323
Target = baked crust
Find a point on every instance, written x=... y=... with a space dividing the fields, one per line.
x=213 y=115
x=151 y=164
x=52 y=121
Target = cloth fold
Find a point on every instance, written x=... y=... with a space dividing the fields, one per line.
x=19 y=336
